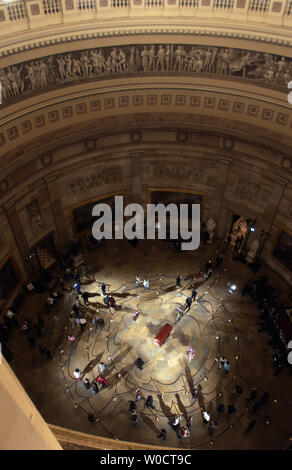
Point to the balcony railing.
(34, 14)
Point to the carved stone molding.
(155, 30)
(64, 69)
(181, 136)
(136, 136)
(46, 159)
(228, 143)
(90, 143)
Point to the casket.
(163, 334)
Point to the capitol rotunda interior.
(160, 102)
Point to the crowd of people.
(269, 305)
(273, 319)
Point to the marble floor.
(219, 323)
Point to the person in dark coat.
(139, 363)
(178, 281)
(132, 406)
(84, 296)
(189, 301)
(95, 388)
(194, 294)
(87, 384)
(149, 402)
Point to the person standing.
(220, 409)
(178, 281)
(138, 281)
(101, 367)
(189, 301)
(231, 409)
(222, 361)
(102, 381)
(149, 402)
(138, 397)
(206, 417)
(77, 374)
(77, 287)
(71, 320)
(71, 339)
(146, 284)
(253, 395)
(132, 406)
(82, 322)
(162, 434)
(175, 423)
(87, 384)
(103, 288)
(226, 367)
(194, 294)
(84, 296)
(95, 388)
(139, 363)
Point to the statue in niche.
(211, 225)
(239, 229)
(35, 220)
(252, 251)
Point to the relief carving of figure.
(144, 57)
(35, 219)
(267, 69)
(61, 65)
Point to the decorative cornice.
(146, 32)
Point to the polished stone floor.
(219, 323)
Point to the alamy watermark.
(183, 222)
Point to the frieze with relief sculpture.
(110, 175)
(187, 173)
(267, 70)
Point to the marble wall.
(132, 163)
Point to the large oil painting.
(168, 196)
(82, 215)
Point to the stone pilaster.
(30, 264)
(218, 200)
(53, 190)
